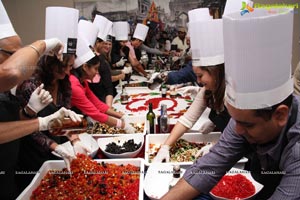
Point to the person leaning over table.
(137, 40)
(16, 65)
(36, 148)
(83, 99)
(265, 114)
(208, 65)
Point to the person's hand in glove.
(207, 127)
(61, 113)
(204, 150)
(189, 91)
(163, 154)
(80, 147)
(54, 47)
(127, 70)
(65, 154)
(39, 99)
(128, 127)
(121, 62)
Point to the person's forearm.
(113, 113)
(109, 100)
(182, 190)
(175, 134)
(10, 131)
(20, 65)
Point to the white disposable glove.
(204, 150)
(163, 153)
(127, 70)
(39, 99)
(121, 62)
(207, 127)
(66, 155)
(54, 47)
(189, 91)
(80, 147)
(61, 113)
(129, 128)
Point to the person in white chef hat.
(83, 99)
(17, 64)
(62, 23)
(137, 40)
(208, 65)
(265, 114)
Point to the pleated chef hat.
(83, 52)
(104, 26)
(258, 50)
(121, 30)
(140, 31)
(199, 14)
(6, 28)
(88, 31)
(62, 23)
(206, 37)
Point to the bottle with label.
(124, 96)
(150, 120)
(60, 127)
(163, 90)
(163, 120)
(176, 176)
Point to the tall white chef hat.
(258, 50)
(121, 30)
(62, 23)
(235, 5)
(88, 31)
(104, 26)
(206, 37)
(140, 31)
(83, 52)
(199, 14)
(6, 28)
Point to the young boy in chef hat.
(265, 114)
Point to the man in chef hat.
(17, 64)
(137, 40)
(265, 114)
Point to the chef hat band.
(62, 23)
(258, 49)
(6, 28)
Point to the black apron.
(31, 157)
(9, 111)
(219, 119)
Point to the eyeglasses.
(7, 52)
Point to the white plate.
(87, 140)
(247, 174)
(157, 179)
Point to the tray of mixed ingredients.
(184, 151)
(88, 179)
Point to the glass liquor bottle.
(176, 176)
(164, 120)
(150, 120)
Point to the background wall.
(28, 18)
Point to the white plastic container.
(58, 165)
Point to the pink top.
(131, 49)
(85, 100)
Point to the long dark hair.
(215, 100)
(45, 73)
